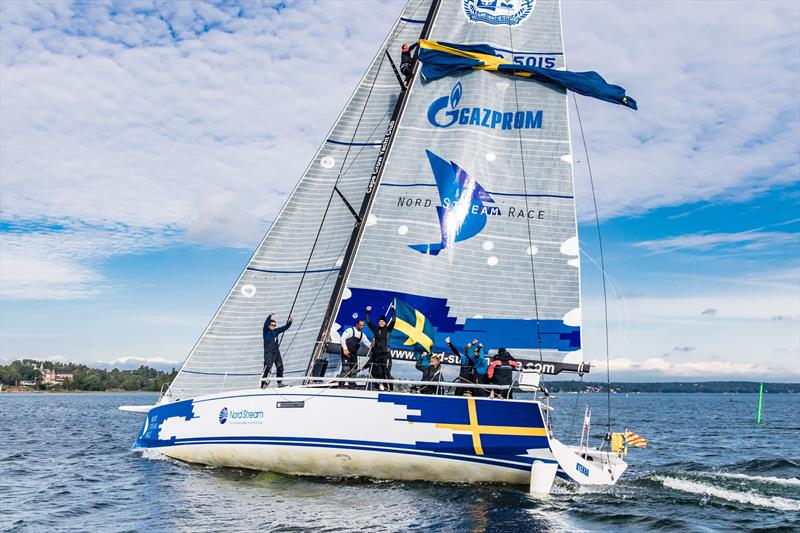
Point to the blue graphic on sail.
(511, 333)
(462, 214)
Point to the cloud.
(127, 363)
(704, 130)
(159, 124)
(783, 318)
(683, 349)
(709, 312)
(659, 369)
(743, 240)
(56, 263)
(133, 127)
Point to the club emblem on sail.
(463, 212)
(497, 12)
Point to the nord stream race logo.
(242, 416)
(444, 113)
(497, 12)
(463, 212)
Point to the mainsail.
(474, 219)
(295, 267)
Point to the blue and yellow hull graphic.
(336, 432)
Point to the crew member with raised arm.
(407, 61)
(501, 370)
(380, 356)
(351, 340)
(468, 359)
(272, 352)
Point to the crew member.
(468, 360)
(351, 340)
(501, 370)
(380, 357)
(481, 363)
(434, 374)
(423, 364)
(407, 61)
(272, 352)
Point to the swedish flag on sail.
(440, 59)
(415, 326)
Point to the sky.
(145, 148)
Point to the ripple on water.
(733, 476)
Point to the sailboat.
(449, 189)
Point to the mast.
(366, 204)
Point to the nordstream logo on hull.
(498, 12)
(440, 116)
(463, 212)
(243, 416)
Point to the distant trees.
(85, 378)
(705, 386)
(17, 371)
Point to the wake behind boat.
(443, 195)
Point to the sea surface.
(66, 464)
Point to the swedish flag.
(440, 59)
(415, 326)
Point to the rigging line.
(602, 260)
(575, 410)
(316, 297)
(528, 222)
(333, 191)
(342, 172)
(369, 197)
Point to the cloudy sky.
(145, 148)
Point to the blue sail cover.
(440, 59)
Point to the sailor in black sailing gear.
(470, 358)
(272, 352)
(380, 357)
(501, 370)
(433, 373)
(351, 341)
(407, 61)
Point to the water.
(66, 464)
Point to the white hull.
(339, 432)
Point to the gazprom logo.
(223, 415)
(445, 113)
(498, 12)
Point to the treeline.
(677, 386)
(85, 378)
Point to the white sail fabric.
(229, 354)
(474, 220)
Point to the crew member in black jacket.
(501, 370)
(407, 61)
(380, 357)
(272, 352)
